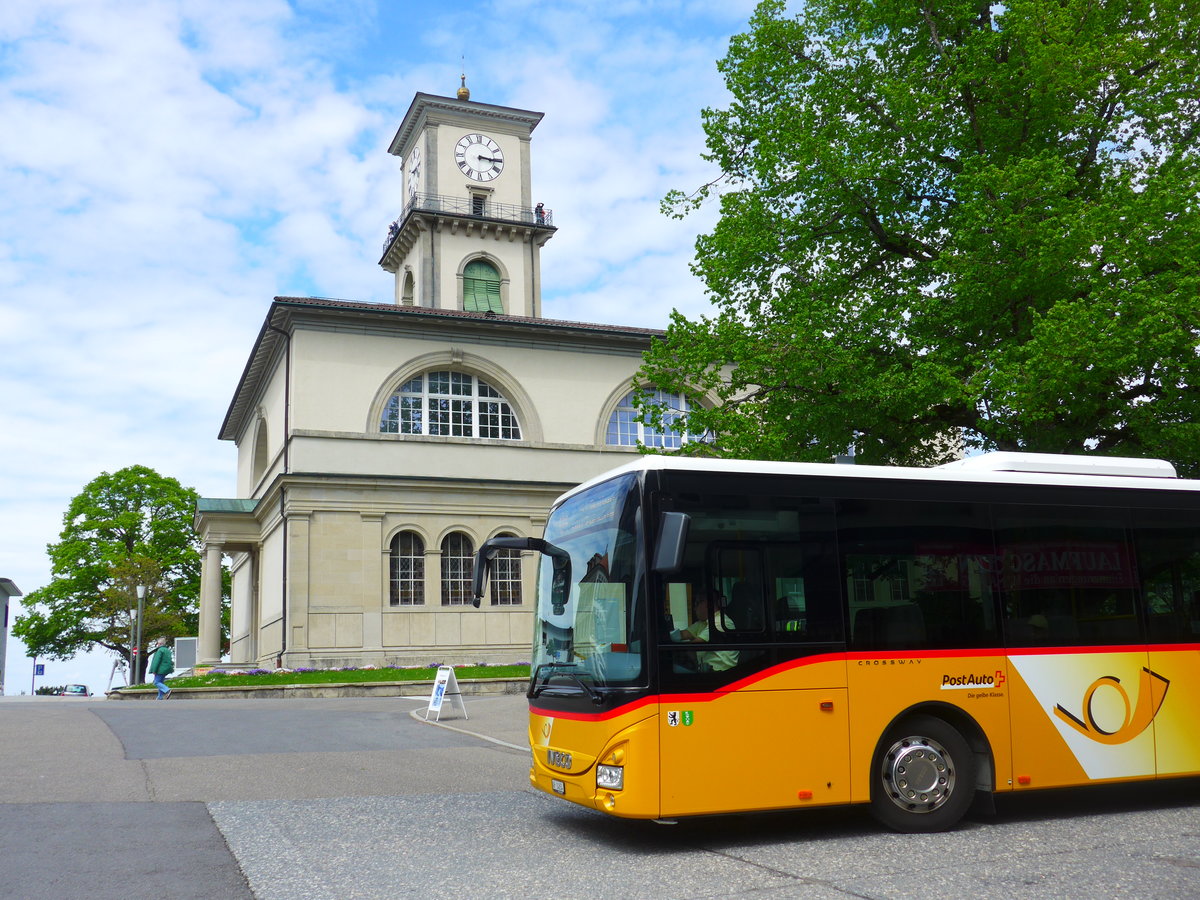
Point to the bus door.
(756, 715)
(1083, 691)
(768, 732)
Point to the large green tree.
(946, 220)
(127, 528)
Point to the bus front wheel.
(924, 776)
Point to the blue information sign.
(39, 669)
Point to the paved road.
(290, 799)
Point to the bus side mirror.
(483, 566)
(672, 537)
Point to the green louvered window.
(481, 287)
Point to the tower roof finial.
(464, 92)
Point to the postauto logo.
(1152, 691)
(972, 680)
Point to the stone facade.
(357, 512)
(328, 491)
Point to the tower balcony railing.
(476, 207)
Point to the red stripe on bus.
(735, 687)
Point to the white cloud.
(170, 165)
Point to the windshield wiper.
(596, 697)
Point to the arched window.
(506, 577)
(627, 425)
(481, 287)
(260, 450)
(458, 569)
(452, 404)
(407, 570)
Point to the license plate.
(559, 786)
(559, 759)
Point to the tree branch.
(903, 245)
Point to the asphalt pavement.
(118, 800)
(328, 799)
(500, 720)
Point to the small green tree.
(132, 527)
(951, 219)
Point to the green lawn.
(335, 676)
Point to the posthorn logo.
(1152, 690)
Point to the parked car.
(76, 690)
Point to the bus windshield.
(589, 633)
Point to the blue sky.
(169, 166)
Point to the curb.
(480, 687)
(419, 715)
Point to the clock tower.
(470, 234)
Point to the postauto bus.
(728, 636)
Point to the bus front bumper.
(621, 780)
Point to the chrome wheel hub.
(918, 774)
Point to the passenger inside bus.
(746, 606)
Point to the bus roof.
(999, 467)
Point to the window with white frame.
(506, 577)
(627, 426)
(407, 570)
(458, 569)
(450, 404)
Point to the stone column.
(210, 607)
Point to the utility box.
(7, 589)
(185, 652)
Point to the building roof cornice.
(432, 108)
(286, 313)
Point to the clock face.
(479, 157)
(414, 171)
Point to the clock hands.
(479, 157)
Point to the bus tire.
(923, 779)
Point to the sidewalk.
(503, 720)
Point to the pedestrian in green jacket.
(161, 664)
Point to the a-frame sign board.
(445, 687)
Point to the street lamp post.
(132, 644)
(141, 595)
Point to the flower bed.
(346, 675)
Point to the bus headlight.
(610, 778)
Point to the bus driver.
(698, 633)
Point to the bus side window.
(806, 602)
(773, 559)
(889, 627)
(745, 606)
(916, 574)
(1067, 576)
(736, 568)
(1168, 564)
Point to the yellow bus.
(727, 636)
